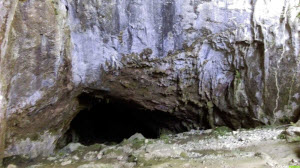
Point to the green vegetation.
(281, 136)
(285, 120)
(35, 137)
(124, 142)
(55, 11)
(293, 139)
(61, 153)
(165, 138)
(293, 124)
(210, 105)
(142, 162)
(150, 142)
(237, 77)
(164, 135)
(96, 147)
(132, 158)
(221, 131)
(136, 143)
(112, 143)
(184, 155)
(115, 151)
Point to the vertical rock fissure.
(4, 42)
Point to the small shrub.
(125, 142)
(115, 151)
(96, 147)
(221, 131)
(281, 136)
(293, 124)
(165, 138)
(132, 158)
(184, 155)
(136, 144)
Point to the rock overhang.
(209, 62)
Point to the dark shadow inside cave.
(110, 120)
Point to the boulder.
(292, 134)
(136, 136)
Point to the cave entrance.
(110, 120)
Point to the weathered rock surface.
(207, 62)
(292, 134)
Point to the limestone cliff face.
(207, 62)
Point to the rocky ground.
(221, 147)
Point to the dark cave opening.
(110, 120)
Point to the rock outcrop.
(207, 62)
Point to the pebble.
(66, 163)
(90, 156)
(11, 166)
(75, 157)
(120, 158)
(99, 156)
(51, 158)
(294, 161)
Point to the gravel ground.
(196, 148)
